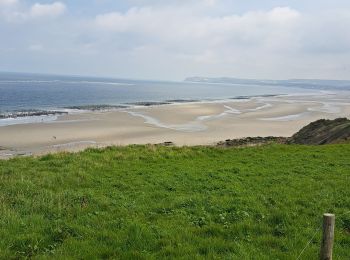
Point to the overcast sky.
(161, 39)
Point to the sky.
(172, 40)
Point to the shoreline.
(59, 111)
(184, 124)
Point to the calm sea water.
(21, 92)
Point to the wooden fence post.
(327, 237)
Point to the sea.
(27, 98)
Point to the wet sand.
(198, 123)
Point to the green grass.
(147, 202)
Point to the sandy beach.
(197, 123)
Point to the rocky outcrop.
(251, 141)
(166, 144)
(316, 133)
(323, 132)
(18, 114)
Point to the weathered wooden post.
(327, 237)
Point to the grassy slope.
(147, 202)
(323, 132)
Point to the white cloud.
(186, 29)
(210, 2)
(185, 35)
(283, 14)
(179, 38)
(14, 11)
(8, 2)
(47, 10)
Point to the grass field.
(147, 202)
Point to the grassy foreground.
(147, 202)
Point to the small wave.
(30, 113)
(99, 82)
(29, 81)
(312, 93)
(28, 120)
(149, 103)
(29, 116)
(95, 107)
(66, 81)
(258, 96)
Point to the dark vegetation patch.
(316, 133)
(323, 132)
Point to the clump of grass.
(140, 202)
